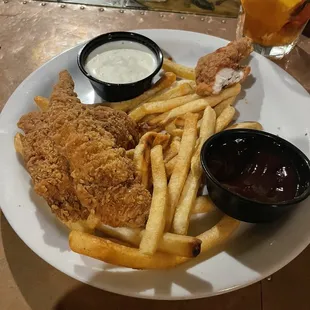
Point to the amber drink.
(274, 25)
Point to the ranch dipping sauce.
(121, 62)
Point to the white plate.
(272, 97)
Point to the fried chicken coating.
(221, 68)
(76, 156)
(122, 127)
(50, 174)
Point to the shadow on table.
(93, 298)
(44, 287)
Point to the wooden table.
(30, 34)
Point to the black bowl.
(119, 92)
(235, 203)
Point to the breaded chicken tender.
(76, 157)
(222, 68)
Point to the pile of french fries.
(167, 159)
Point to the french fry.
(177, 132)
(158, 119)
(202, 103)
(173, 149)
(225, 118)
(170, 166)
(182, 165)
(157, 129)
(207, 129)
(223, 105)
(181, 89)
(190, 107)
(81, 225)
(160, 106)
(161, 139)
(218, 234)
(184, 208)
(200, 114)
(141, 158)
(192, 84)
(18, 144)
(203, 204)
(169, 243)
(173, 130)
(167, 105)
(120, 255)
(179, 70)
(42, 103)
(179, 121)
(157, 220)
(167, 80)
(153, 138)
(246, 125)
(130, 153)
(148, 118)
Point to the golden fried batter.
(76, 156)
(221, 68)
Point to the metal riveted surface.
(54, 29)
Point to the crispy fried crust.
(226, 57)
(76, 157)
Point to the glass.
(273, 25)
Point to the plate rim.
(157, 296)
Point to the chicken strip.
(122, 127)
(106, 181)
(76, 156)
(221, 68)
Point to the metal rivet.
(24, 2)
(269, 279)
(162, 15)
(182, 17)
(223, 21)
(101, 10)
(82, 7)
(63, 6)
(43, 4)
(142, 13)
(5, 1)
(121, 11)
(202, 19)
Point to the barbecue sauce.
(263, 174)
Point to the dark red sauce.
(265, 174)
